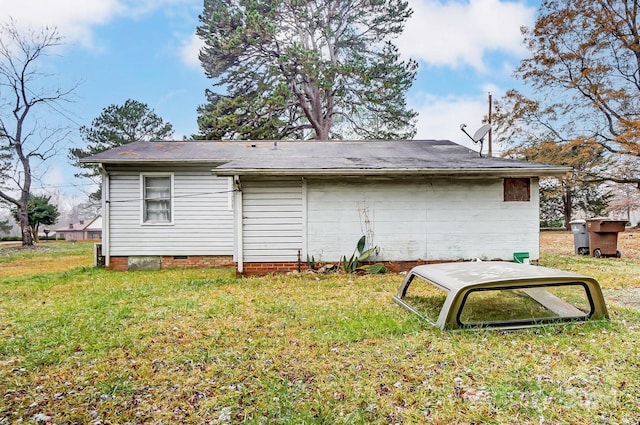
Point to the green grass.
(610, 272)
(199, 346)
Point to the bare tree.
(584, 72)
(626, 199)
(26, 138)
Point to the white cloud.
(440, 117)
(76, 19)
(73, 18)
(456, 33)
(190, 50)
(493, 89)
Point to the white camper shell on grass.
(498, 294)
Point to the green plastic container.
(521, 257)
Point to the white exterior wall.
(431, 219)
(272, 220)
(412, 219)
(202, 215)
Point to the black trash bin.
(580, 237)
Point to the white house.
(266, 206)
(84, 230)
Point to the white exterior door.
(272, 220)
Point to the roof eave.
(343, 172)
(161, 162)
(555, 171)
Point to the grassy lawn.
(82, 345)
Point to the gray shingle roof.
(322, 157)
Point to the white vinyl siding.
(272, 220)
(157, 198)
(428, 219)
(202, 219)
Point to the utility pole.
(489, 153)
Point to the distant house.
(268, 206)
(84, 230)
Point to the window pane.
(558, 302)
(427, 299)
(157, 199)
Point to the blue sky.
(147, 50)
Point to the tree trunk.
(321, 132)
(27, 235)
(34, 233)
(567, 201)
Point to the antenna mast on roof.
(489, 153)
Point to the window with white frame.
(157, 193)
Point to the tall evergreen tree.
(321, 69)
(117, 125)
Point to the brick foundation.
(197, 261)
(251, 269)
(402, 266)
(260, 269)
(186, 261)
(118, 264)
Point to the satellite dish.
(481, 132)
(478, 136)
